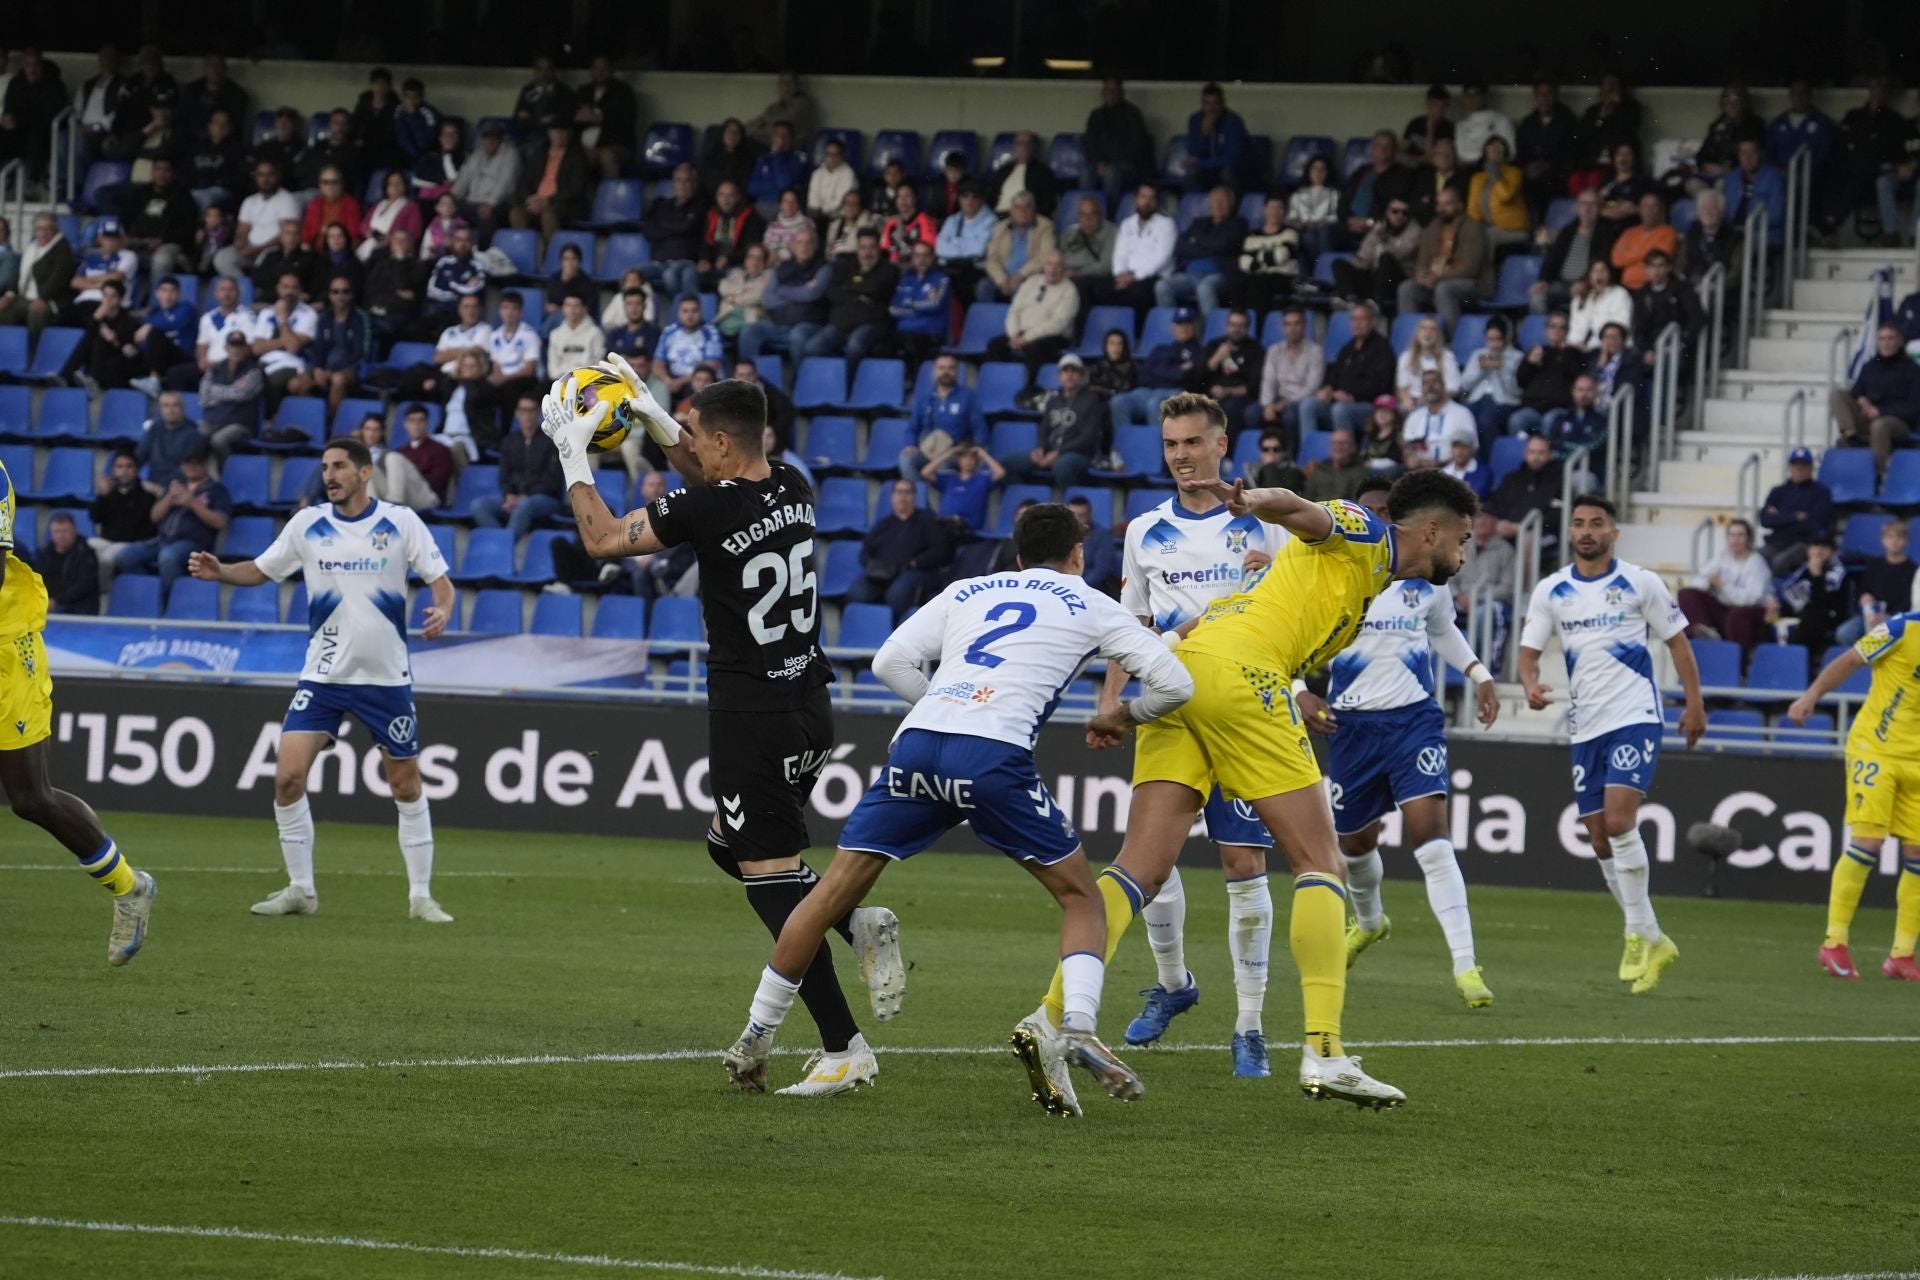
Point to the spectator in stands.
(557, 185)
(1573, 249)
(1434, 422)
(795, 300)
(1496, 198)
(1453, 264)
(1116, 372)
(1379, 440)
(1533, 486)
(106, 355)
(419, 474)
(165, 440)
(455, 275)
(212, 94)
(1087, 247)
(1276, 468)
(908, 226)
(436, 238)
(1015, 251)
(830, 184)
(260, 217)
(1817, 593)
(1313, 210)
(1611, 120)
(1216, 143)
(531, 489)
(728, 159)
(1751, 183)
(859, 296)
(436, 170)
(1883, 406)
(416, 122)
(32, 99)
(944, 415)
(779, 406)
(1339, 474)
(1269, 263)
(1884, 584)
(396, 208)
(920, 305)
(122, 508)
(1040, 321)
(1663, 302)
(215, 164)
(1544, 147)
(1490, 384)
(1479, 123)
(787, 221)
(285, 148)
(965, 478)
(943, 193)
(334, 257)
(341, 348)
(209, 340)
(1872, 143)
(1120, 151)
(1615, 368)
(1361, 371)
(1427, 352)
(1598, 301)
(188, 516)
(396, 280)
(1430, 126)
(1582, 424)
(742, 292)
(1384, 259)
(880, 195)
(688, 345)
(159, 219)
(1652, 231)
(1546, 377)
(1441, 172)
(1204, 256)
(1142, 253)
(286, 253)
(544, 101)
(1073, 431)
(489, 180)
(107, 259)
(901, 554)
(1735, 124)
(143, 122)
(1102, 569)
(572, 282)
(1171, 367)
(606, 115)
(1488, 563)
(165, 335)
(1797, 511)
(1732, 594)
(468, 332)
(843, 230)
(338, 149)
(1024, 171)
(373, 120)
(1374, 186)
(467, 376)
(961, 246)
(791, 103)
(1709, 241)
(732, 225)
(1621, 189)
(576, 341)
(281, 332)
(675, 226)
(95, 103)
(778, 168)
(1801, 124)
(1462, 462)
(1232, 365)
(1292, 372)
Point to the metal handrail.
(1702, 548)
(1839, 356)
(1665, 397)
(1617, 478)
(1706, 379)
(14, 176)
(1753, 270)
(1799, 200)
(1747, 489)
(1526, 572)
(1576, 481)
(60, 175)
(1480, 640)
(1793, 427)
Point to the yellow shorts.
(1883, 797)
(1240, 729)
(26, 692)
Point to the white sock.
(1080, 976)
(1612, 877)
(1249, 939)
(416, 845)
(1632, 873)
(1166, 918)
(1363, 887)
(296, 841)
(1447, 895)
(771, 1001)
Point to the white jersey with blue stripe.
(356, 575)
(1176, 562)
(1605, 623)
(1389, 665)
(1008, 646)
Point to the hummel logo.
(735, 818)
(1041, 804)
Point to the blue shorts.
(933, 782)
(385, 709)
(1379, 760)
(1233, 822)
(1625, 757)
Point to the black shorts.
(761, 769)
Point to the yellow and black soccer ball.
(594, 385)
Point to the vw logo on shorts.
(1431, 761)
(402, 729)
(1625, 756)
(1245, 811)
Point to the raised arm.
(1308, 521)
(206, 566)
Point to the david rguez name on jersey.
(1068, 596)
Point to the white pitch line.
(916, 1051)
(1845, 1275)
(602, 1261)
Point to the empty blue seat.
(1156, 331)
(878, 384)
(821, 382)
(674, 625)
(1253, 208)
(667, 145)
(1849, 474)
(999, 387)
(984, 322)
(1508, 453)
(13, 350)
(772, 372)
(850, 139)
(839, 568)
(890, 145)
(16, 413)
(522, 247)
(1901, 487)
(842, 507)
(496, 611)
(1560, 211)
(50, 353)
(623, 251)
(1301, 149)
(1012, 437)
(308, 414)
(479, 480)
(1779, 668)
(581, 240)
(245, 476)
(404, 355)
(1511, 291)
(556, 615)
(964, 141)
(1099, 321)
(294, 473)
(18, 461)
(1469, 336)
(1193, 205)
(620, 618)
(612, 484)
(192, 600)
(248, 536)
(123, 416)
(1719, 662)
(1533, 332)
(489, 556)
(1000, 154)
(1354, 155)
(1010, 499)
(535, 555)
(1315, 446)
(1861, 538)
(864, 626)
(1142, 451)
(65, 414)
(134, 595)
(886, 437)
(1067, 156)
(442, 536)
(259, 604)
(67, 477)
(101, 173)
(616, 203)
(1141, 501)
(830, 444)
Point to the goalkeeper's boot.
(290, 901)
(1473, 988)
(1162, 1007)
(1659, 956)
(746, 1061)
(829, 1073)
(130, 912)
(1037, 1044)
(1341, 1077)
(1633, 959)
(1359, 939)
(1838, 961)
(876, 938)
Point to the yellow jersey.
(1888, 725)
(23, 597)
(1308, 604)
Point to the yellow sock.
(1123, 899)
(110, 869)
(1318, 934)
(1906, 919)
(1850, 876)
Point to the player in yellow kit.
(1883, 788)
(1242, 730)
(26, 719)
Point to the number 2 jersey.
(1888, 724)
(1177, 562)
(1604, 623)
(759, 586)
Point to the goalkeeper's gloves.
(660, 424)
(570, 432)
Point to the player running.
(26, 720)
(1387, 740)
(1180, 557)
(354, 551)
(1007, 644)
(769, 718)
(1243, 731)
(1604, 611)
(1883, 789)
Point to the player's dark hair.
(736, 409)
(354, 447)
(1372, 484)
(1046, 534)
(1421, 490)
(1599, 501)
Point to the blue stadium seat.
(1301, 149)
(1849, 474)
(50, 353)
(886, 437)
(556, 615)
(134, 595)
(772, 372)
(1510, 292)
(616, 204)
(1141, 501)
(842, 507)
(1067, 156)
(404, 355)
(65, 414)
(1403, 327)
(1315, 446)
(839, 568)
(258, 604)
(18, 461)
(621, 252)
(1508, 454)
(1857, 683)
(1140, 448)
(1354, 155)
(496, 611)
(1468, 337)
(998, 388)
(965, 141)
(442, 535)
(535, 555)
(581, 240)
(1861, 539)
(984, 321)
(123, 416)
(1068, 209)
(667, 145)
(101, 173)
(830, 445)
(1012, 437)
(1099, 321)
(371, 194)
(620, 618)
(851, 139)
(192, 600)
(674, 625)
(1010, 499)
(293, 478)
(308, 414)
(1560, 211)
(1324, 263)
(1001, 152)
(1683, 215)
(1532, 332)
(354, 409)
(1901, 486)
(248, 536)
(316, 127)
(612, 484)
(66, 477)
(821, 382)
(895, 144)
(479, 480)
(864, 626)
(522, 247)
(1719, 662)
(1193, 205)
(262, 126)
(297, 604)
(245, 476)
(1778, 668)
(878, 384)
(1156, 331)
(489, 556)
(1339, 333)
(13, 350)
(1253, 208)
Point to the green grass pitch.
(1534, 1159)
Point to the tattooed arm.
(607, 536)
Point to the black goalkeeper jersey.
(759, 586)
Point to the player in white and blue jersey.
(1387, 743)
(1606, 612)
(1180, 557)
(354, 551)
(1007, 646)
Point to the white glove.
(660, 424)
(570, 432)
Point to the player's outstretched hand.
(660, 424)
(1109, 726)
(1693, 723)
(204, 565)
(433, 622)
(1313, 709)
(1234, 495)
(1800, 708)
(1537, 696)
(570, 432)
(1486, 703)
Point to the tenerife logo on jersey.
(1615, 596)
(1213, 573)
(364, 564)
(1411, 596)
(1626, 757)
(379, 539)
(1236, 541)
